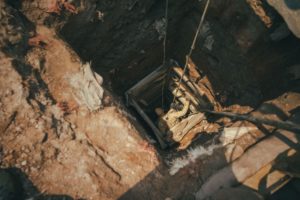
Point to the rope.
(166, 29)
(192, 47)
(164, 53)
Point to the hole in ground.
(235, 50)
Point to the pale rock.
(24, 162)
(290, 11)
(87, 88)
(230, 134)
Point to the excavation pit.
(169, 101)
(244, 61)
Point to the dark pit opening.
(245, 59)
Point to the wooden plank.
(157, 133)
(154, 77)
(251, 161)
(194, 87)
(266, 180)
(186, 91)
(194, 104)
(182, 128)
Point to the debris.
(182, 128)
(204, 127)
(183, 94)
(183, 113)
(168, 120)
(206, 100)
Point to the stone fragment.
(290, 11)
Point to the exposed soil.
(59, 148)
(48, 142)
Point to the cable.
(192, 47)
(166, 30)
(165, 52)
(286, 125)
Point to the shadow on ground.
(15, 185)
(184, 184)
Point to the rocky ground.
(49, 134)
(65, 136)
